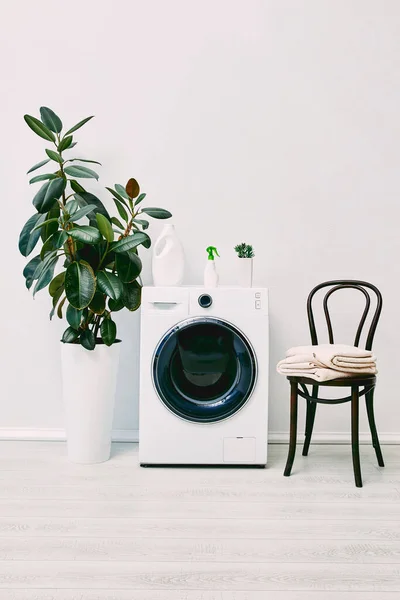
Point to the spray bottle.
(210, 273)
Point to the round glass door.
(204, 370)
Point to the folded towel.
(310, 370)
(340, 357)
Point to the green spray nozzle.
(211, 250)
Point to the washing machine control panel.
(205, 300)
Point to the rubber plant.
(98, 253)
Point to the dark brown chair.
(366, 382)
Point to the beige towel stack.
(327, 362)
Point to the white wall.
(270, 121)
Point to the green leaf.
(76, 186)
(147, 242)
(115, 305)
(145, 224)
(139, 199)
(59, 238)
(108, 330)
(53, 155)
(79, 125)
(105, 228)
(74, 316)
(78, 171)
(132, 188)
(46, 222)
(110, 284)
(85, 160)
(157, 213)
(121, 191)
(57, 284)
(117, 196)
(65, 143)
(82, 212)
(40, 129)
(91, 254)
(69, 335)
(44, 177)
(46, 274)
(46, 248)
(72, 206)
(51, 227)
(98, 304)
(87, 339)
(80, 284)
(129, 242)
(49, 256)
(60, 307)
(48, 194)
(38, 165)
(86, 234)
(30, 269)
(56, 298)
(132, 295)
(44, 271)
(85, 198)
(29, 237)
(121, 210)
(50, 119)
(117, 222)
(128, 266)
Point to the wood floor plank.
(210, 550)
(215, 493)
(200, 576)
(43, 594)
(184, 528)
(170, 477)
(199, 510)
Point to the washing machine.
(203, 376)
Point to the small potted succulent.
(245, 265)
(99, 275)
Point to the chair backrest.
(365, 288)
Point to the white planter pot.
(89, 384)
(245, 272)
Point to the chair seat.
(347, 382)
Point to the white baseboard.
(132, 435)
(58, 435)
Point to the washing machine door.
(204, 370)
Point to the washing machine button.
(258, 304)
(205, 300)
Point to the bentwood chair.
(360, 385)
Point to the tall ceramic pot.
(245, 272)
(89, 385)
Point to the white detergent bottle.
(168, 262)
(210, 272)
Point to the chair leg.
(293, 428)
(355, 448)
(310, 417)
(369, 400)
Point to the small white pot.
(245, 272)
(89, 384)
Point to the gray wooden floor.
(118, 532)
